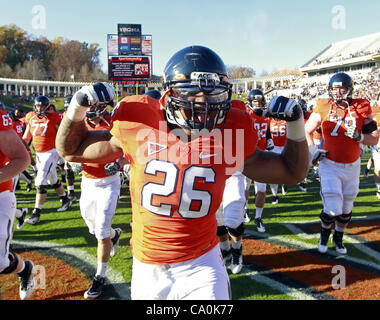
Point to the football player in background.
(256, 107)
(41, 128)
(375, 153)
(278, 132)
(67, 172)
(345, 123)
(230, 216)
(14, 158)
(100, 193)
(181, 151)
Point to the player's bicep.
(11, 145)
(285, 168)
(97, 147)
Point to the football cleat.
(96, 288)
(337, 239)
(302, 186)
(284, 189)
(237, 260)
(34, 217)
(66, 204)
(115, 242)
(324, 240)
(247, 219)
(275, 200)
(378, 194)
(259, 225)
(227, 256)
(26, 281)
(21, 220)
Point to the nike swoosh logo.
(206, 156)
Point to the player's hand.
(98, 94)
(112, 168)
(270, 145)
(316, 154)
(76, 167)
(353, 133)
(283, 108)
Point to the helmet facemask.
(257, 105)
(41, 110)
(97, 112)
(201, 102)
(337, 97)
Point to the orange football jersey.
(261, 125)
(96, 170)
(5, 124)
(177, 185)
(43, 130)
(278, 131)
(19, 127)
(334, 126)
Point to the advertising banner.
(129, 68)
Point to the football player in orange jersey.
(375, 154)
(345, 123)
(182, 149)
(256, 107)
(14, 158)
(41, 128)
(278, 132)
(100, 193)
(18, 127)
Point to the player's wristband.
(295, 130)
(75, 112)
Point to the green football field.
(278, 265)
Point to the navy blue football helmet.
(341, 80)
(41, 106)
(197, 91)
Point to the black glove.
(283, 108)
(112, 168)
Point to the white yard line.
(114, 277)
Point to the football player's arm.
(27, 136)
(311, 125)
(14, 150)
(370, 132)
(75, 143)
(291, 166)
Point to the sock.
(70, 189)
(101, 270)
(325, 226)
(259, 213)
(378, 186)
(236, 244)
(369, 166)
(225, 245)
(339, 229)
(112, 233)
(38, 206)
(274, 189)
(18, 213)
(22, 270)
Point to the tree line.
(24, 56)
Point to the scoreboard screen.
(129, 68)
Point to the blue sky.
(265, 35)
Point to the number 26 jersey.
(176, 185)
